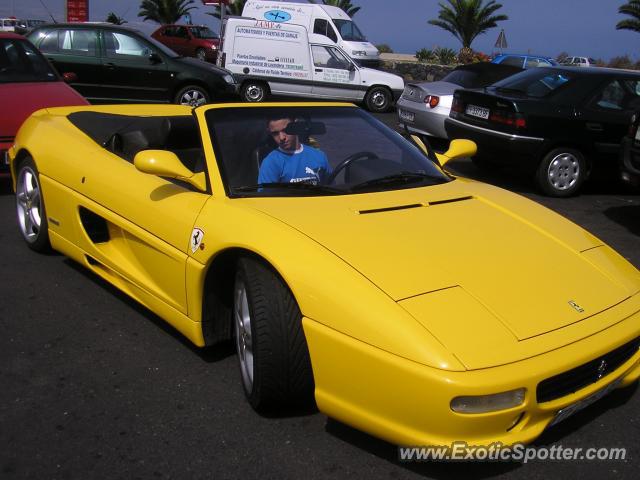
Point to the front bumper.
(504, 148)
(630, 161)
(407, 403)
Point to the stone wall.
(414, 71)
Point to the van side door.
(335, 75)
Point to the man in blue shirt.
(292, 161)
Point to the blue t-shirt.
(308, 164)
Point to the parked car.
(27, 83)
(338, 292)
(190, 40)
(579, 62)
(630, 152)
(423, 107)
(559, 123)
(119, 64)
(524, 60)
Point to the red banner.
(77, 10)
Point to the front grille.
(584, 375)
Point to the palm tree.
(631, 8)
(234, 8)
(345, 5)
(466, 19)
(164, 11)
(115, 19)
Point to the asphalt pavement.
(95, 386)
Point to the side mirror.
(458, 148)
(166, 164)
(69, 77)
(154, 58)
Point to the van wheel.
(378, 100)
(561, 172)
(192, 95)
(253, 91)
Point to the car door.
(607, 114)
(133, 69)
(73, 50)
(334, 75)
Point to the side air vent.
(390, 209)
(94, 225)
(450, 200)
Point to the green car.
(112, 63)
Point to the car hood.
(371, 76)
(509, 263)
(22, 99)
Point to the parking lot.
(96, 386)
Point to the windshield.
(537, 82)
(301, 151)
(349, 31)
(21, 62)
(203, 32)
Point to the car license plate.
(476, 111)
(566, 412)
(408, 116)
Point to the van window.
(329, 57)
(349, 31)
(322, 27)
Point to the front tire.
(272, 350)
(32, 218)
(192, 95)
(378, 100)
(561, 172)
(254, 91)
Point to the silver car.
(423, 107)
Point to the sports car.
(414, 305)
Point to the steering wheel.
(364, 155)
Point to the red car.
(190, 40)
(27, 83)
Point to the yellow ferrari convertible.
(345, 263)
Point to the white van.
(324, 20)
(8, 24)
(283, 59)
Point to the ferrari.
(420, 307)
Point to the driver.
(292, 161)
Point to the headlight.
(359, 53)
(229, 79)
(214, 47)
(488, 403)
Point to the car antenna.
(45, 7)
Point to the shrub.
(445, 56)
(384, 48)
(620, 62)
(425, 55)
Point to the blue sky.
(548, 27)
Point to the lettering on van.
(271, 34)
(336, 76)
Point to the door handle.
(319, 70)
(594, 127)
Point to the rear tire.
(561, 172)
(253, 91)
(272, 350)
(378, 100)
(31, 214)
